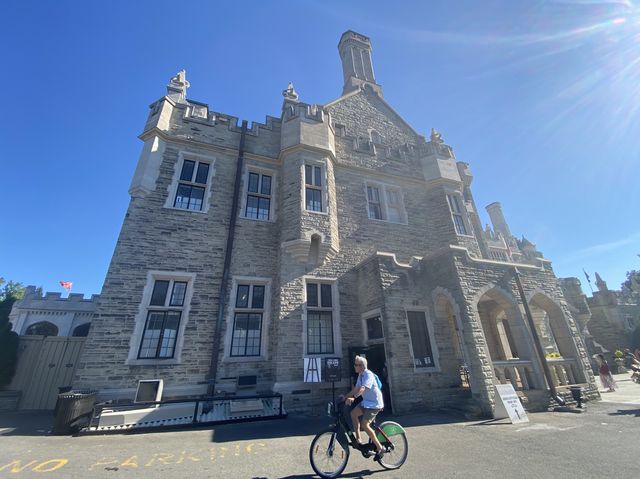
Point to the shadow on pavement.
(311, 425)
(363, 473)
(626, 412)
(34, 423)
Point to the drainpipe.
(213, 368)
(536, 340)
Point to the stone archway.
(446, 312)
(508, 342)
(560, 349)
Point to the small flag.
(587, 276)
(66, 285)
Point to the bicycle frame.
(344, 433)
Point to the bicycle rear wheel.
(397, 448)
(328, 456)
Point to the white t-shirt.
(372, 396)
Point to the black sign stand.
(333, 373)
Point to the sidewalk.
(627, 392)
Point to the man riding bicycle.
(372, 403)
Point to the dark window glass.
(308, 175)
(81, 331)
(266, 185)
(422, 355)
(319, 332)
(263, 208)
(312, 294)
(257, 300)
(253, 182)
(314, 199)
(187, 170)
(160, 334)
(374, 328)
(247, 330)
(203, 173)
(317, 180)
(252, 207)
(325, 295)
(242, 299)
(43, 328)
(159, 294)
(459, 224)
(197, 195)
(177, 295)
(182, 196)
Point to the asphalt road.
(601, 441)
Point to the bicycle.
(329, 451)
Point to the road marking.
(213, 454)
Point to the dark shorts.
(369, 415)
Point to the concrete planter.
(9, 400)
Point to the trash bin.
(71, 406)
(61, 389)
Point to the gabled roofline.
(356, 92)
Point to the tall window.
(319, 319)
(313, 185)
(192, 185)
(385, 203)
(163, 319)
(247, 321)
(420, 341)
(375, 208)
(258, 196)
(456, 212)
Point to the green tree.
(10, 292)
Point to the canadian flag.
(66, 285)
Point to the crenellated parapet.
(64, 313)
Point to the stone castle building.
(330, 230)
(607, 319)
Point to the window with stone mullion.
(313, 187)
(258, 196)
(456, 213)
(247, 325)
(163, 320)
(192, 185)
(319, 319)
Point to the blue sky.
(541, 98)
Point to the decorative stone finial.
(290, 93)
(177, 87)
(436, 137)
(601, 284)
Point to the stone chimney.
(357, 67)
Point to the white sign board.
(312, 370)
(508, 405)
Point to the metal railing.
(185, 412)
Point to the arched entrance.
(459, 369)
(559, 346)
(507, 340)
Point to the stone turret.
(498, 221)
(357, 66)
(310, 234)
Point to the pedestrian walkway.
(627, 392)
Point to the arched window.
(81, 331)
(375, 137)
(43, 328)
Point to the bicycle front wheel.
(327, 455)
(397, 448)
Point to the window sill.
(404, 223)
(183, 210)
(426, 370)
(152, 362)
(260, 220)
(324, 213)
(243, 359)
